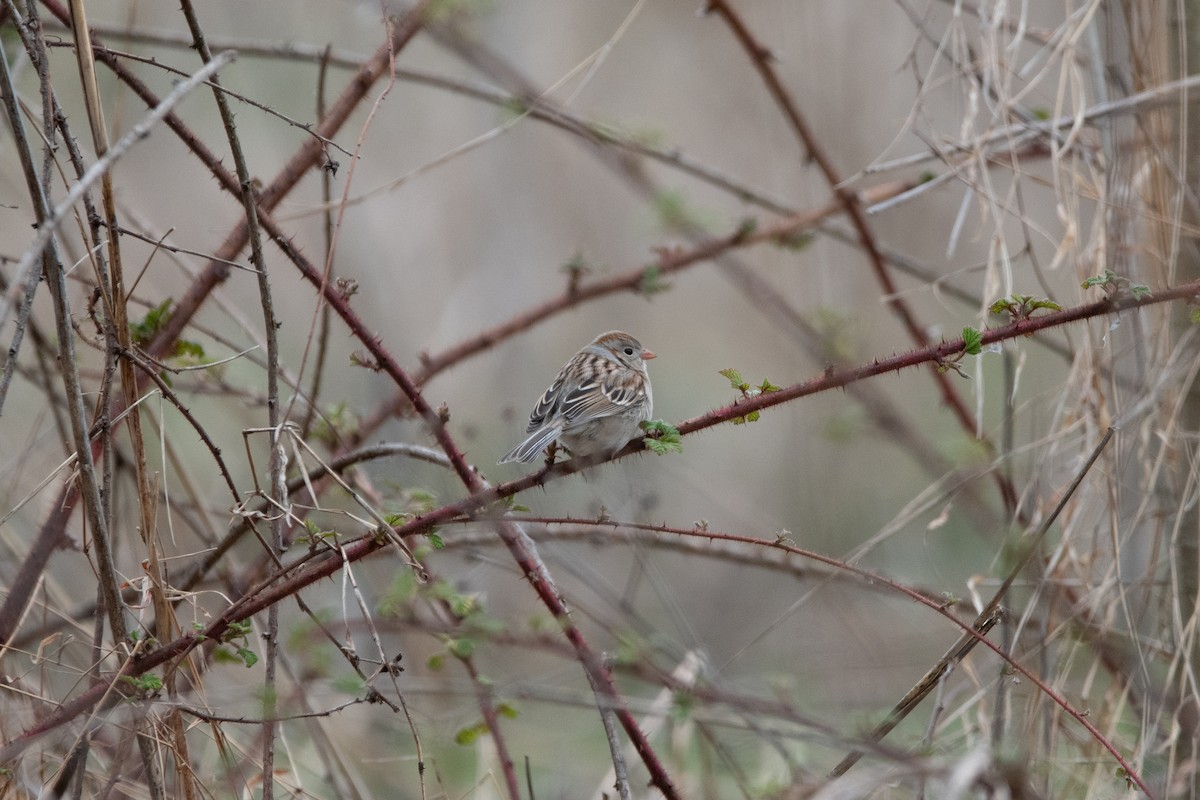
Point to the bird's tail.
(529, 450)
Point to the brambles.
(972, 346)
(737, 382)
(661, 437)
(1020, 307)
(1115, 285)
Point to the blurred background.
(527, 147)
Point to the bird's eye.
(628, 351)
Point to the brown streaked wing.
(594, 400)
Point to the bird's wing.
(547, 403)
(610, 395)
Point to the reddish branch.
(629, 280)
(51, 535)
(761, 58)
(288, 582)
(218, 270)
(295, 577)
(481, 494)
(973, 633)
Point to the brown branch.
(756, 289)
(760, 56)
(326, 565)
(631, 280)
(312, 569)
(87, 485)
(52, 535)
(935, 356)
(216, 271)
(519, 546)
(973, 633)
(487, 707)
(305, 158)
(830, 379)
(986, 618)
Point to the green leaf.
(507, 711)
(463, 605)
(482, 623)
(660, 448)
(735, 379)
(1194, 315)
(461, 648)
(1113, 283)
(152, 323)
(1109, 277)
(419, 501)
(672, 209)
(436, 541)
(746, 227)
(237, 629)
(652, 281)
(145, 683)
(397, 597)
(1022, 306)
(510, 504)
(576, 265)
(630, 649)
(1001, 306)
(192, 351)
(224, 655)
(972, 341)
(794, 241)
(248, 656)
(435, 662)
(682, 705)
(470, 734)
(349, 684)
(662, 438)
(766, 387)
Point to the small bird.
(596, 403)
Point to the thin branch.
(278, 459)
(140, 131)
(760, 57)
(208, 716)
(986, 618)
(89, 488)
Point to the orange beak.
(647, 355)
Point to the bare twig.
(278, 460)
(760, 57)
(984, 622)
(103, 164)
(47, 254)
